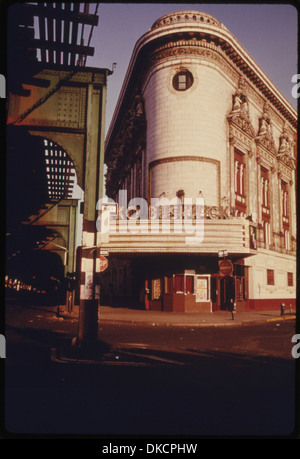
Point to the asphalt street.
(153, 380)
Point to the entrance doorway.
(227, 292)
(222, 292)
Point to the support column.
(93, 183)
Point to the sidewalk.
(156, 318)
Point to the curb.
(276, 319)
(151, 323)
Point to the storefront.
(163, 284)
(192, 292)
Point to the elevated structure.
(53, 96)
(198, 120)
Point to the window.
(265, 190)
(270, 277)
(265, 205)
(240, 182)
(183, 80)
(266, 228)
(290, 279)
(284, 204)
(286, 239)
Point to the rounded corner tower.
(186, 111)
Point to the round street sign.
(225, 267)
(103, 263)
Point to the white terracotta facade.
(197, 117)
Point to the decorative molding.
(193, 47)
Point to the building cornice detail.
(221, 40)
(192, 47)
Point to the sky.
(268, 32)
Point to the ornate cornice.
(185, 17)
(196, 34)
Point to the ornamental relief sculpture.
(286, 149)
(239, 114)
(265, 132)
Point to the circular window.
(183, 80)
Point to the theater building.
(200, 136)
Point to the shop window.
(202, 289)
(270, 277)
(156, 289)
(290, 279)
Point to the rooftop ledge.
(183, 17)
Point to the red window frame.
(240, 181)
(270, 277)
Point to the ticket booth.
(186, 292)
